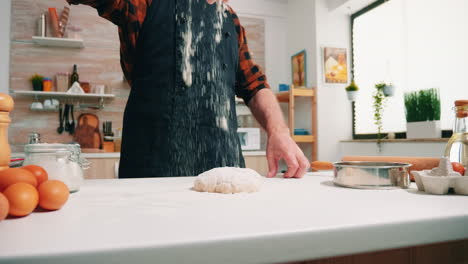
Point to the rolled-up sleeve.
(113, 10)
(250, 78)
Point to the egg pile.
(23, 189)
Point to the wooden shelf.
(304, 139)
(284, 97)
(58, 42)
(67, 97)
(62, 94)
(290, 98)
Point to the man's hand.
(281, 146)
(213, 1)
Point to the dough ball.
(228, 180)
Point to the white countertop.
(163, 221)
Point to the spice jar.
(62, 80)
(86, 87)
(62, 162)
(47, 84)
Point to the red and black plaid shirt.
(129, 15)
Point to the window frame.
(398, 135)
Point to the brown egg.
(23, 198)
(15, 175)
(4, 207)
(53, 194)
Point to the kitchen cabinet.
(105, 165)
(102, 168)
(257, 163)
(448, 252)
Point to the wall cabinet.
(102, 168)
(106, 168)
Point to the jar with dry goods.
(61, 161)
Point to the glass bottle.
(457, 146)
(74, 77)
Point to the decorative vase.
(352, 95)
(389, 90)
(37, 86)
(424, 129)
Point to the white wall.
(334, 109)
(5, 10)
(312, 26)
(276, 20)
(399, 149)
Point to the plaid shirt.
(129, 15)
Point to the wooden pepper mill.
(6, 105)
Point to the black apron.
(179, 122)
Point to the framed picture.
(299, 69)
(249, 138)
(335, 65)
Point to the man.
(186, 60)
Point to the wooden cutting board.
(87, 131)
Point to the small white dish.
(36, 106)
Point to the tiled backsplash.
(98, 63)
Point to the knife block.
(6, 105)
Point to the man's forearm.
(267, 111)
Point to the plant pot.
(37, 86)
(352, 95)
(424, 129)
(389, 90)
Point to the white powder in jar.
(58, 166)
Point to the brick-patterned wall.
(97, 63)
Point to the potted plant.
(388, 89)
(423, 114)
(378, 104)
(37, 81)
(352, 90)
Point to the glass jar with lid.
(61, 161)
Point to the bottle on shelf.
(47, 84)
(74, 77)
(457, 146)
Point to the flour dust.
(208, 136)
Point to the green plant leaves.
(423, 105)
(378, 105)
(352, 87)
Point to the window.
(413, 44)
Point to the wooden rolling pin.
(321, 165)
(6, 105)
